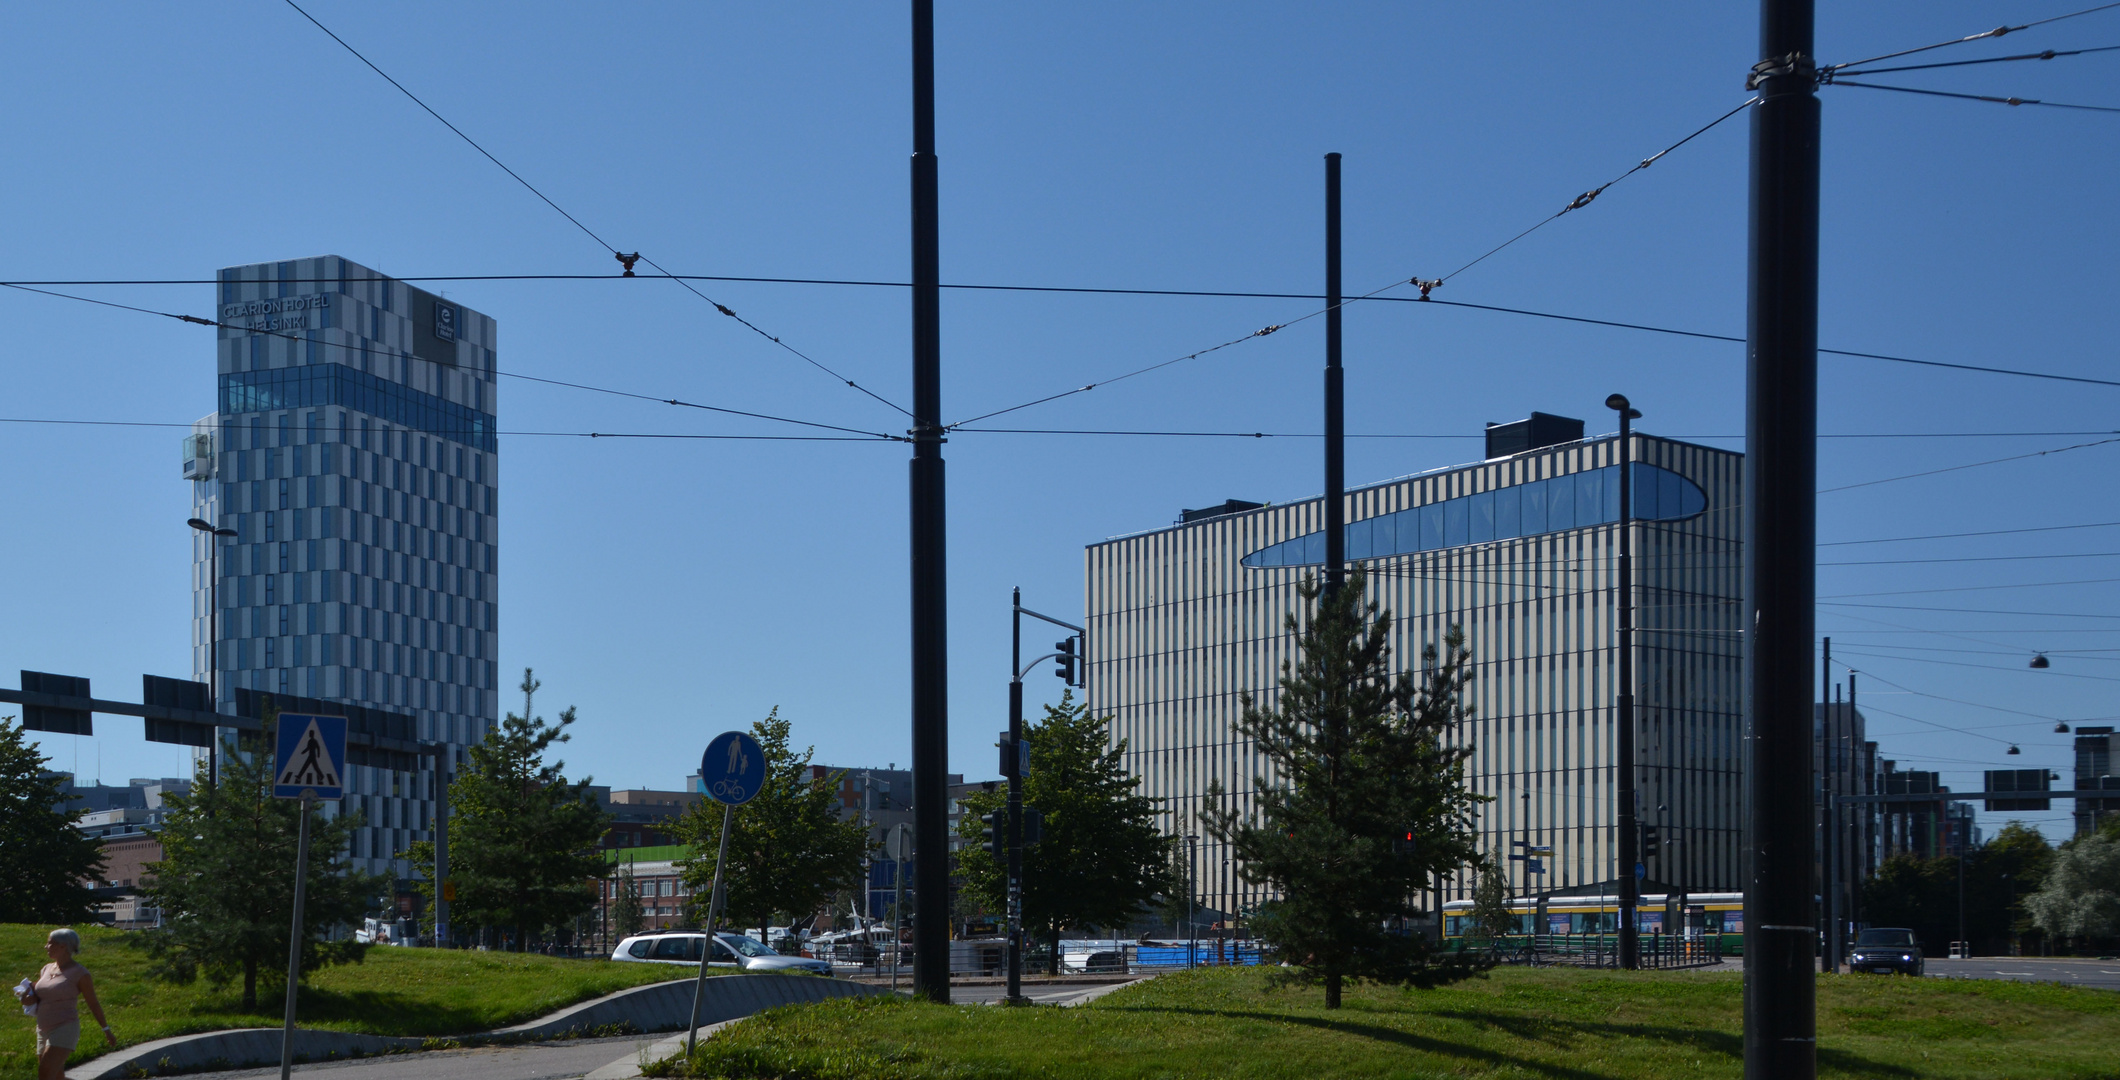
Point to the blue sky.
(674, 589)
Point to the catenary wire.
(1995, 33)
(1983, 532)
(1962, 665)
(196, 320)
(1587, 197)
(1967, 611)
(426, 431)
(1978, 97)
(26, 284)
(1977, 588)
(1580, 201)
(590, 233)
(1973, 465)
(2049, 54)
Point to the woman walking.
(58, 987)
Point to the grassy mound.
(394, 992)
(1569, 1025)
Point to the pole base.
(1017, 999)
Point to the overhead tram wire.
(1976, 588)
(1979, 97)
(1972, 465)
(1983, 532)
(27, 284)
(626, 260)
(1984, 34)
(1425, 286)
(512, 434)
(2046, 55)
(197, 321)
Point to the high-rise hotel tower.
(353, 453)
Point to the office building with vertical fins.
(1518, 549)
(353, 452)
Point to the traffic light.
(1650, 842)
(1033, 826)
(995, 833)
(1404, 843)
(1068, 665)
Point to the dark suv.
(1886, 951)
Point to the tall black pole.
(1781, 533)
(1630, 855)
(1335, 391)
(930, 644)
(1014, 759)
(1827, 789)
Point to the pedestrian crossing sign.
(311, 762)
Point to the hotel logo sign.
(445, 320)
(282, 313)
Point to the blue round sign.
(733, 769)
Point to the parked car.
(730, 950)
(1887, 950)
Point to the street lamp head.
(199, 524)
(2039, 660)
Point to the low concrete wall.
(668, 1006)
(233, 1049)
(663, 1006)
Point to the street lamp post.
(214, 536)
(1192, 883)
(1629, 838)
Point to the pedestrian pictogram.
(311, 762)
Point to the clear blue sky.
(672, 589)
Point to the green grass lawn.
(1544, 1023)
(394, 992)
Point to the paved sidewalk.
(564, 1060)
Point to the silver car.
(730, 950)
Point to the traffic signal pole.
(1781, 535)
(930, 637)
(1073, 669)
(1628, 823)
(1335, 392)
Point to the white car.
(730, 951)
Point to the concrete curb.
(665, 1006)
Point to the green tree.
(1490, 902)
(1358, 758)
(47, 863)
(225, 883)
(628, 915)
(790, 847)
(1926, 895)
(523, 840)
(1101, 860)
(2080, 898)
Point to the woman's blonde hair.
(66, 936)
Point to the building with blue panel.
(1520, 550)
(354, 454)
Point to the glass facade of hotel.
(354, 455)
(1184, 622)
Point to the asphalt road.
(2103, 974)
(563, 1060)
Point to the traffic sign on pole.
(733, 768)
(311, 762)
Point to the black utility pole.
(1012, 768)
(1335, 392)
(1827, 960)
(214, 535)
(1781, 535)
(1629, 825)
(930, 644)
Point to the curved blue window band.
(1541, 506)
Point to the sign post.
(309, 764)
(731, 771)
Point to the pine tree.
(1359, 759)
(226, 880)
(523, 840)
(1101, 861)
(790, 847)
(49, 865)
